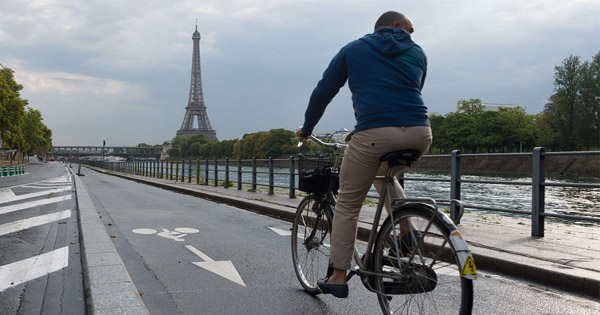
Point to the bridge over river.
(153, 152)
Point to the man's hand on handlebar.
(301, 134)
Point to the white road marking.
(49, 186)
(31, 204)
(6, 194)
(289, 233)
(281, 232)
(186, 230)
(31, 268)
(52, 181)
(176, 236)
(61, 179)
(33, 195)
(144, 231)
(34, 221)
(448, 271)
(225, 269)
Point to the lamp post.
(103, 145)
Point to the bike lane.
(192, 256)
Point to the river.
(563, 200)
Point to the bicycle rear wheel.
(310, 241)
(427, 277)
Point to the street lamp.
(103, 145)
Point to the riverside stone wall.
(573, 165)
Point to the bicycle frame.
(363, 262)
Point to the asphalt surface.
(139, 249)
(162, 268)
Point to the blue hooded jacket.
(385, 72)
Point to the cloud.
(122, 68)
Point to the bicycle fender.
(465, 259)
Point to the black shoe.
(408, 242)
(337, 290)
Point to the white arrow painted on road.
(289, 233)
(225, 269)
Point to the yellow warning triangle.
(469, 268)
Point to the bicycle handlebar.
(323, 143)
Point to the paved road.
(190, 256)
(40, 259)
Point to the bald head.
(395, 20)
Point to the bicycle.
(430, 271)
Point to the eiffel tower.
(196, 107)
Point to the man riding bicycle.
(385, 71)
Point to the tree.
(574, 108)
(47, 143)
(194, 149)
(174, 152)
(35, 133)
(181, 145)
(567, 83)
(473, 129)
(473, 107)
(587, 114)
(468, 114)
(460, 127)
(545, 134)
(12, 109)
(277, 142)
(440, 142)
(250, 144)
(516, 128)
(490, 127)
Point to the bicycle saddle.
(401, 157)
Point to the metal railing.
(263, 172)
(538, 184)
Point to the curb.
(545, 272)
(531, 269)
(108, 287)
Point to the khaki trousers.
(359, 168)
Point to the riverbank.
(571, 165)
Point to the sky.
(120, 71)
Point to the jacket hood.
(389, 41)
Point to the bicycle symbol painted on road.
(176, 235)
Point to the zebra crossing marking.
(35, 203)
(31, 268)
(19, 225)
(8, 198)
(38, 266)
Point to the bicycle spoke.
(424, 275)
(309, 236)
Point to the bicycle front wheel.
(310, 241)
(422, 268)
